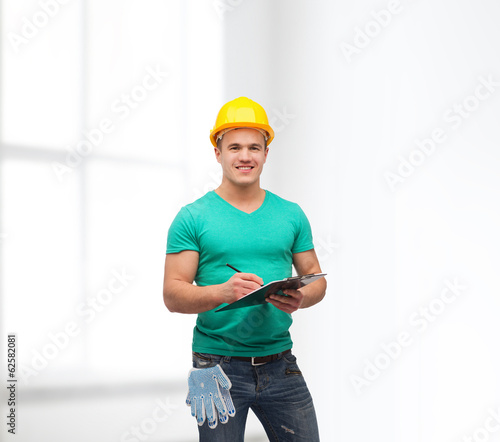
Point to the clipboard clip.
(300, 277)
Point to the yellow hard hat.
(241, 112)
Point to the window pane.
(42, 73)
(41, 255)
(139, 76)
(130, 210)
(134, 76)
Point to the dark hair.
(219, 141)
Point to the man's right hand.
(239, 285)
(181, 296)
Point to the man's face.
(242, 155)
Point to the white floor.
(126, 416)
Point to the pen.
(239, 271)
(234, 268)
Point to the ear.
(265, 154)
(217, 154)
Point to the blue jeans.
(275, 391)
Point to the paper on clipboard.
(259, 296)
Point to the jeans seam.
(268, 423)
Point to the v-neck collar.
(266, 197)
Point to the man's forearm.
(183, 297)
(313, 293)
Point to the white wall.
(389, 250)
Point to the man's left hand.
(288, 304)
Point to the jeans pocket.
(292, 369)
(290, 358)
(204, 360)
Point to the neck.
(240, 194)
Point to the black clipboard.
(259, 296)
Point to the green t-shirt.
(262, 242)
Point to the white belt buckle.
(254, 364)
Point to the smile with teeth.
(244, 167)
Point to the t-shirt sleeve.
(182, 233)
(303, 233)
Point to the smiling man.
(242, 358)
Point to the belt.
(260, 360)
